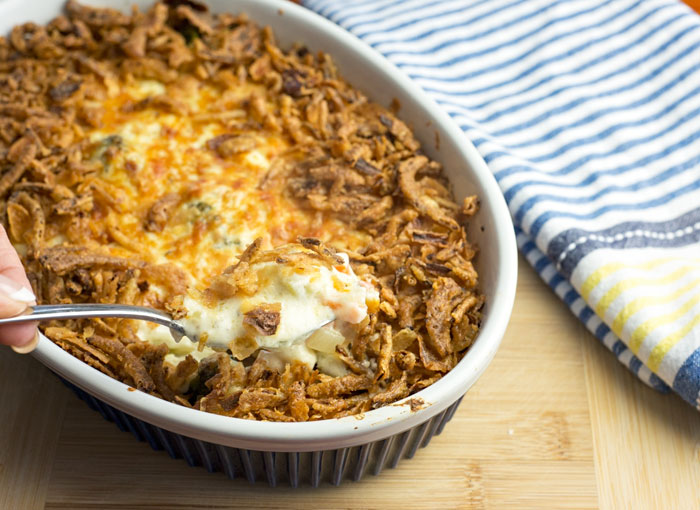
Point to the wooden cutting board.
(555, 422)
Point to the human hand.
(15, 296)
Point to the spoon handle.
(93, 310)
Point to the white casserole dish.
(202, 438)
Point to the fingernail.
(16, 291)
(28, 347)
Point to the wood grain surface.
(555, 422)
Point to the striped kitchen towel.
(587, 112)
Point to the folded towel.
(587, 112)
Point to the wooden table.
(555, 422)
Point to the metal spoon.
(93, 310)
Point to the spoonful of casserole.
(289, 301)
(297, 302)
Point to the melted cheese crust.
(221, 208)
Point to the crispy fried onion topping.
(264, 318)
(351, 161)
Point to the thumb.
(14, 297)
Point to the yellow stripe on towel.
(604, 271)
(635, 305)
(614, 292)
(659, 352)
(597, 276)
(647, 327)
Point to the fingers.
(15, 334)
(15, 296)
(23, 338)
(19, 335)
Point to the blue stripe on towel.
(687, 382)
(672, 42)
(585, 111)
(664, 25)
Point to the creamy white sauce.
(307, 301)
(178, 351)
(145, 88)
(257, 158)
(331, 364)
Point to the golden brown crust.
(122, 359)
(160, 212)
(336, 386)
(443, 298)
(349, 160)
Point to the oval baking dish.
(328, 450)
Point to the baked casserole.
(183, 161)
